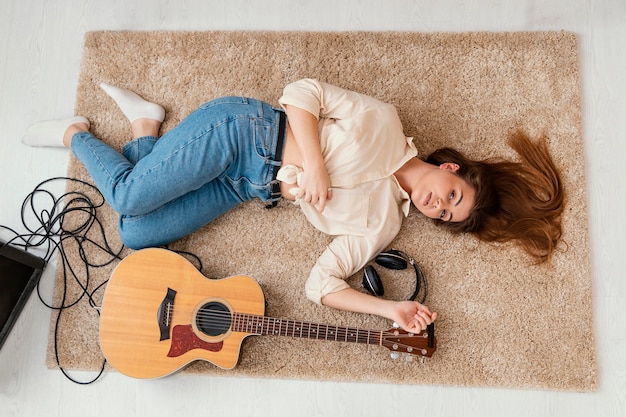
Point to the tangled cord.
(49, 230)
(52, 231)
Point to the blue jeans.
(219, 156)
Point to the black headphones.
(398, 260)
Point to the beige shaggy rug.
(504, 322)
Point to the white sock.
(50, 132)
(133, 106)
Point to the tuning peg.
(408, 358)
(394, 355)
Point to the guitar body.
(159, 314)
(152, 310)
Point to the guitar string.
(226, 318)
(223, 318)
(340, 335)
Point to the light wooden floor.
(40, 48)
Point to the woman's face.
(441, 194)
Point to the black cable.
(51, 232)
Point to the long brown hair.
(520, 201)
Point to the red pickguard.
(184, 340)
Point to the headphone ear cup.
(372, 282)
(391, 259)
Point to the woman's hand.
(314, 186)
(412, 316)
(314, 182)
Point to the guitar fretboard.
(263, 325)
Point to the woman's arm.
(306, 101)
(410, 315)
(315, 182)
(346, 255)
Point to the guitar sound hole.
(213, 319)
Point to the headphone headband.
(397, 260)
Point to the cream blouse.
(363, 145)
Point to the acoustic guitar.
(159, 313)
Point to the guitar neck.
(262, 325)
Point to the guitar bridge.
(164, 314)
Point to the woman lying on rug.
(342, 157)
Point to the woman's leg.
(108, 168)
(168, 222)
(179, 217)
(219, 156)
(138, 148)
(248, 178)
(183, 160)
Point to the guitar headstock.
(421, 344)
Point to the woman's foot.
(55, 133)
(133, 106)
